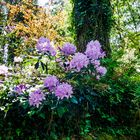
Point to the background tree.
(92, 20)
(126, 31)
(32, 22)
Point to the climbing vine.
(92, 19)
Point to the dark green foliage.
(92, 20)
(95, 107)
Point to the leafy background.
(108, 109)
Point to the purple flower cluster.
(94, 53)
(51, 82)
(68, 49)
(63, 90)
(94, 50)
(101, 70)
(36, 98)
(79, 61)
(96, 63)
(20, 88)
(44, 46)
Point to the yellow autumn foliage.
(32, 22)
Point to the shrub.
(76, 99)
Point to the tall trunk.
(92, 21)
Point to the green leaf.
(42, 65)
(37, 65)
(61, 111)
(74, 100)
(18, 131)
(42, 115)
(31, 113)
(25, 105)
(46, 68)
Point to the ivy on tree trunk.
(92, 21)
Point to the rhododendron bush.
(61, 92)
(71, 62)
(78, 65)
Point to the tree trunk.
(92, 21)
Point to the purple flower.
(63, 90)
(58, 60)
(79, 61)
(98, 77)
(96, 63)
(20, 88)
(36, 98)
(52, 51)
(94, 50)
(44, 45)
(101, 70)
(51, 82)
(43, 40)
(68, 49)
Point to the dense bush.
(76, 98)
